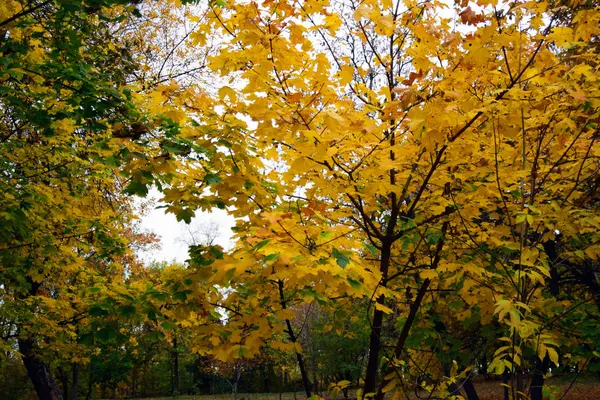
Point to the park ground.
(583, 389)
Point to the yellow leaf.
(429, 274)
(553, 355)
(384, 24)
(383, 308)
(390, 385)
(343, 384)
(226, 91)
(561, 36)
(362, 11)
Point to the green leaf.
(158, 296)
(127, 311)
(156, 336)
(371, 249)
(97, 311)
(86, 339)
(180, 296)
(175, 148)
(168, 326)
(106, 334)
(137, 188)
(260, 245)
(185, 215)
(271, 257)
(355, 284)
(211, 179)
(151, 315)
(340, 258)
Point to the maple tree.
(67, 228)
(395, 150)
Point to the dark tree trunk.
(281, 384)
(64, 382)
(412, 314)
(552, 253)
(314, 373)
(505, 378)
(265, 376)
(470, 390)
(88, 395)
(376, 326)
(301, 363)
(453, 389)
(293, 339)
(75, 381)
(537, 381)
(414, 308)
(484, 365)
(520, 385)
(175, 368)
(374, 346)
(39, 372)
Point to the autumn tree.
(392, 151)
(66, 223)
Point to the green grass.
(239, 396)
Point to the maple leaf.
(470, 17)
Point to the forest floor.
(583, 389)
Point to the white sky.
(171, 232)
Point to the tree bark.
(505, 378)
(175, 368)
(376, 326)
(520, 385)
(39, 372)
(537, 381)
(314, 373)
(414, 308)
(88, 395)
(293, 339)
(470, 390)
(64, 382)
(75, 381)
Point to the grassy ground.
(247, 396)
(583, 389)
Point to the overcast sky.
(171, 232)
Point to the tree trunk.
(374, 345)
(505, 378)
(281, 384)
(39, 372)
(376, 325)
(64, 382)
(265, 371)
(314, 374)
(293, 339)
(75, 381)
(453, 389)
(537, 381)
(412, 314)
(175, 367)
(90, 383)
(301, 364)
(470, 390)
(520, 385)
(414, 308)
